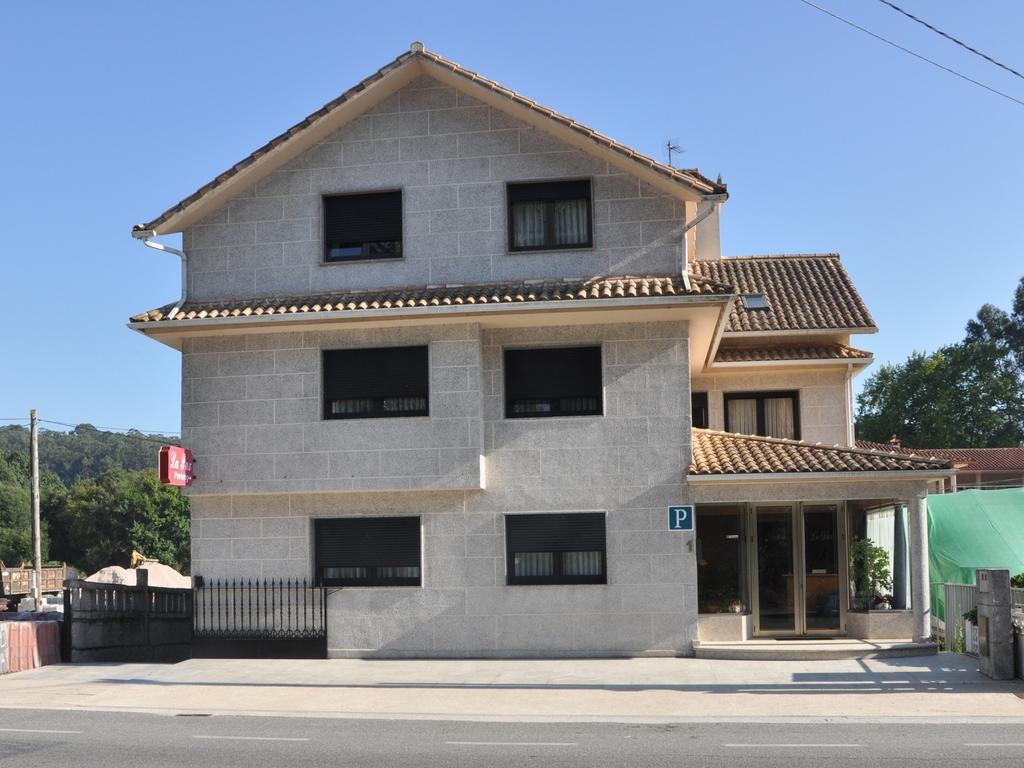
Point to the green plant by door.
(870, 574)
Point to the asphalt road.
(41, 739)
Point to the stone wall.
(823, 398)
(252, 415)
(451, 156)
(627, 463)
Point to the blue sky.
(829, 141)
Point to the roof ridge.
(766, 256)
(805, 444)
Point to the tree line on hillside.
(100, 498)
(964, 395)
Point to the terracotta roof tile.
(690, 177)
(723, 453)
(604, 288)
(970, 459)
(804, 292)
(790, 352)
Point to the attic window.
(367, 226)
(549, 215)
(755, 301)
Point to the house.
(979, 468)
(456, 354)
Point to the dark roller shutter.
(363, 218)
(367, 542)
(377, 374)
(552, 374)
(549, 190)
(574, 532)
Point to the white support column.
(921, 589)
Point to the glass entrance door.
(776, 596)
(821, 568)
(799, 569)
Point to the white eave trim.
(818, 477)
(405, 313)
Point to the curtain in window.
(887, 528)
(534, 564)
(778, 417)
(570, 222)
(743, 416)
(528, 224)
(581, 563)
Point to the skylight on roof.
(755, 301)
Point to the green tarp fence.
(969, 530)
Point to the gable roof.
(517, 292)
(805, 292)
(360, 97)
(969, 459)
(725, 453)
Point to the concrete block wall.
(252, 414)
(824, 414)
(451, 156)
(627, 463)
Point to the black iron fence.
(259, 618)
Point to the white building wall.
(824, 413)
(451, 156)
(627, 463)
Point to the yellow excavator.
(140, 559)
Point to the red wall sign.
(176, 466)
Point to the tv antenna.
(671, 146)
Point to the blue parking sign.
(680, 518)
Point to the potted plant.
(870, 575)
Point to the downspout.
(850, 434)
(146, 235)
(712, 201)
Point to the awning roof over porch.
(725, 453)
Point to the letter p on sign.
(680, 518)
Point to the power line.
(912, 53)
(123, 432)
(113, 429)
(961, 43)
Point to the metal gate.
(259, 619)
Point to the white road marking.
(250, 738)
(32, 730)
(798, 746)
(996, 744)
(514, 743)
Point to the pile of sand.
(113, 574)
(160, 575)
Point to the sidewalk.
(943, 687)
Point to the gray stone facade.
(451, 156)
(252, 414)
(627, 463)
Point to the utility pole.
(37, 539)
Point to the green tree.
(16, 507)
(105, 518)
(965, 395)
